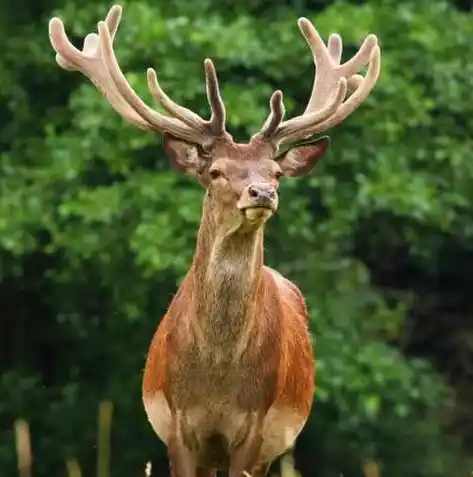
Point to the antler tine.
(89, 62)
(217, 106)
(216, 125)
(67, 55)
(276, 115)
(335, 47)
(354, 82)
(324, 77)
(187, 116)
(361, 57)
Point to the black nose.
(262, 193)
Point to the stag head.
(241, 179)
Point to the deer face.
(243, 191)
(242, 180)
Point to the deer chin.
(257, 215)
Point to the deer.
(229, 379)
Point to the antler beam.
(326, 106)
(97, 61)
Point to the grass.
(104, 432)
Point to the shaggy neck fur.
(227, 272)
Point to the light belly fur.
(280, 428)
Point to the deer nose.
(262, 194)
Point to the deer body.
(232, 356)
(229, 378)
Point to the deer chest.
(220, 378)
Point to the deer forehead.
(252, 169)
(226, 148)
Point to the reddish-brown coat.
(279, 351)
(295, 348)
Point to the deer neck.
(227, 271)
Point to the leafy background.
(96, 230)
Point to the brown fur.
(234, 345)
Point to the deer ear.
(301, 159)
(184, 156)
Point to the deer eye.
(278, 174)
(215, 174)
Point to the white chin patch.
(257, 214)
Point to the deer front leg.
(244, 458)
(181, 460)
(260, 470)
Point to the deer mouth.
(258, 212)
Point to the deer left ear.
(185, 157)
(301, 159)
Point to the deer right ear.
(300, 159)
(184, 156)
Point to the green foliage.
(96, 230)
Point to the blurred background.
(96, 230)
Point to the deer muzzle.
(259, 201)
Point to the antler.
(97, 61)
(326, 107)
